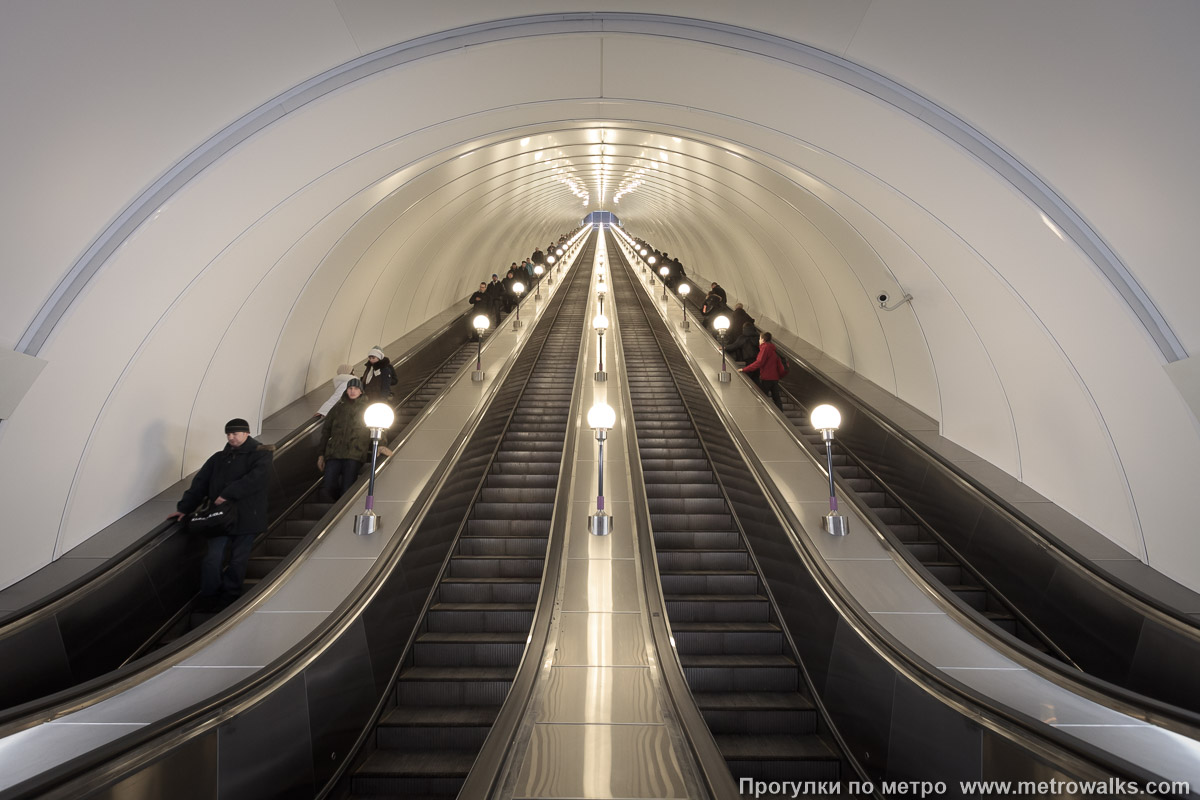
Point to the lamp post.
(519, 289)
(481, 323)
(664, 272)
(600, 325)
(684, 289)
(601, 418)
(721, 324)
(377, 416)
(826, 419)
(601, 290)
(537, 273)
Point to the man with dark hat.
(237, 474)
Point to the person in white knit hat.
(378, 376)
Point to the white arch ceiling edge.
(214, 398)
(1057, 210)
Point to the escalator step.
(488, 590)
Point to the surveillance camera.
(883, 298)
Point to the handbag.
(210, 520)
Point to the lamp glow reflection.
(480, 323)
(827, 419)
(518, 289)
(601, 419)
(378, 416)
(684, 289)
(600, 325)
(721, 325)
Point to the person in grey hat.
(237, 474)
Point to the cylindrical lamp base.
(516, 324)
(724, 377)
(835, 524)
(601, 376)
(685, 325)
(600, 524)
(477, 374)
(366, 523)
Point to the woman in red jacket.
(768, 367)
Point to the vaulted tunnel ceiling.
(348, 210)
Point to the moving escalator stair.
(471, 641)
(743, 674)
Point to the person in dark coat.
(738, 319)
(768, 367)
(713, 305)
(483, 303)
(345, 442)
(378, 376)
(238, 474)
(719, 291)
(745, 347)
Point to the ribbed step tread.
(441, 716)
(744, 747)
(438, 673)
(394, 763)
(473, 637)
(725, 627)
(736, 660)
(752, 701)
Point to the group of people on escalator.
(500, 295)
(743, 341)
(237, 476)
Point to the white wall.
(360, 212)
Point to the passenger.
(744, 348)
(768, 367)
(482, 301)
(713, 305)
(678, 268)
(717, 290)
(538, 257)
(738, 319)
(378, 376)
(237, 474)
(510, 296)
(345, 442)
(344, 374)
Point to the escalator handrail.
(102, 687)
(846, 753)
(1011, 722)
(707, 755)
(98, 767)
(883, 530)
(1118, 698)
(52, 601)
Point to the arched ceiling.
(352, 207)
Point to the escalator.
(289, 528)
(464, 657)
(744, 675)
(923, 543)
(143, 598)
(1001, 569)
(796, 680)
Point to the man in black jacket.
(237, 474)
